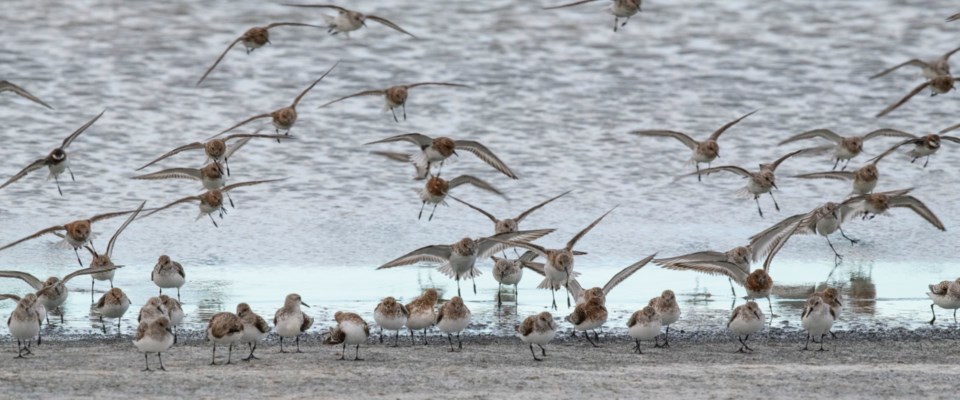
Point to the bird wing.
(716, 135)
(432, 254)
(625, 273)
(248, 183)
(573, 241)
(215, 63)
(35, 165)
(69, 139)
(914, 62)
(918, 207)
(538, 250)
(946, 56)
(682, 137)
(113, 239)
(304, 92)
(486, 155)
(894, 147)
(492, 218)
(395, 156)
(172, 173)
(421, 140)
(8, 86)
(191, 146)
(180, 201)
(888, 132)
(413, 85)
(948, 129)
(506, 240)
(29, 279)
(537, 207)
(838, 175)
(822, 133)
(17, 298)
(276, 24)
(576, 3)
(479, 183)
(906, 98)
(773, 167)
(114, 214)
(950, 138)
(34, 236)
(244, 122)
(236, 146)
(377, 92)
(534, 266)
(390, 24)
(725, 268)
(87, 271)
(728, 168)
(338, 8)
(953, 17)
(762, 243)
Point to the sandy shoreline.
(885, 364)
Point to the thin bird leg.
(666, 338)
(732, 290)
(616, 22)
(934, 314)
(214, 360)
(775, 205)
(699, 178)
(838, 258)
(745, 339)
(404, 105)
(356, 357)
(742, 345)
(394, 112)
(459, 342)
(534, 354)
(78, 257)
(298, 344)
(161, 362)
(424, 336)
(75, 179)
(92, 282)
(422, 205)
(927, 161)
(103, 325)
(146, 362)
(806, 346)
(450, 339)
(432, 212)
(542, 350)
(396, 340)
(836, 162)
(821, 342)
(343, 352)
(281, 345)
(852, 241)
(499, 292)
(587, 336)
(757, 199)
(229, 353)
(213, 220)
(636, 347)
(57, 180)
(474, 280)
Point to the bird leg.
(78, 256)
(160, 360)
(459, 342)
(775, 205)
(499, 293)
(298, 344)
(450, 339)
(103, 325)
(934, 314)
(666, 338)
(57, 180)
(852, 241)
(636, 348)
(214, 360)
(742, 345)
(404, 105)
(838, 258)
(616, 22)
(821, 342)
(213, 220)
(394, 112)
(542, 350)
(757, 199)
(147, 362)
(396, 340)
(356, 356)
(806, 346)
(281, 345)
(587, 336)
(422, 205)
(534, 354)
(343, 352)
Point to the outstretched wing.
(29, 279)
(17, 298)
(576, 3)
(172, 173)
(70, 139)
(682, 137)
(888, 132)
(215, 63)
(728, 168)
(773, 167)
(113, 239)
(35, 165)
(894, 147)
(338, 8)
(479, 183)
(249, 183)
(390, 24)
(724, 268)
(276, 24)
(918, 207)
(838, 175)
(492, 218)
(486, 155)
(191, 146)
(905, 99)
(421, 140)
(506, 240)
(821, 133)
(537, 207)
(358, 94)
(625, 273)
(34, 236)
(413, 85)
(8, 86)
(180, 201)
(573, 241)
(914, 62)
(304, 92)
(434, 254)
(242, 123)
(87, 271)
(101, 217)
(716, 135)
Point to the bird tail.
(447, 270)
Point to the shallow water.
(554, 95)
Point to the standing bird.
(350, 329)
(458, 260)
(734, 264)
(703, 152)
(558, 268)
(537, 330)
(103, 261)
(589, 315)
(152, 310)
(644, 324)
(210, 201)
(453, 317)
(217, 150)
(153, 337)
(168, 274)
(113, 304)
(7, 86)
(758, 183)
(53, 292)
(509, 272)
(817, 319)
(930, 69)
(254, 328)
(24, 322)
(745, 321)
(422, 313)
(289, 321)
(174, 311)
(282, 118)
(946, 295)
(395, 96)
(437, 150)
(348, 20)
(845, 147)
(924, 146)
(254, 38)
(56, 162)
(938, 85)
(669, 311)
(392, 316)
(510, 224)
(619, 9)
(225, 329)
(436, 189)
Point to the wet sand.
(881, 364)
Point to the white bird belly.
(540, 338)
(389, 323)
(449, 325)
(289, 327)
(421, 320)
(151, 345)
(168, 280)
(645, 331)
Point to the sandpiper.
(254, 328)
(152, 310)
(423, 313)
(437, 150)
(211, 175)
(174, 311)
(457, 260)
(24, 322)
(77, 233)
(758, 183)
(7, 86)
(217, 150)
(113, 304)
(283, 118)
(669, 311)
(348, 20)
(832, 297)
(436, 189)
(509, 272)
(874, 204)
(57, 161)
(104, 261)
(510, 224)
(53, 292)
(644, 324)
(938, 85)
(289, 321)
(395, 96)
(168, 274)
(576, 290)
(421, 171)
(703, 152)
(350, 329)
(745, 321)
(953, 17)
(210, 201)
(537, 330)
(453, 317)
(946, 295)
(254, 38)
(734, 264)
(619, 9)
(392, 316)
(225, 329)
(864, 179)
(153, 337)
(924, 146)
(817, 319)
(845, 147)
(589, 315)
(558, 269)
(823, 220)
(931, 69)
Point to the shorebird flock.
(160, 316)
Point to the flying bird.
(348, 20)
(395, 96)
(254, 38)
